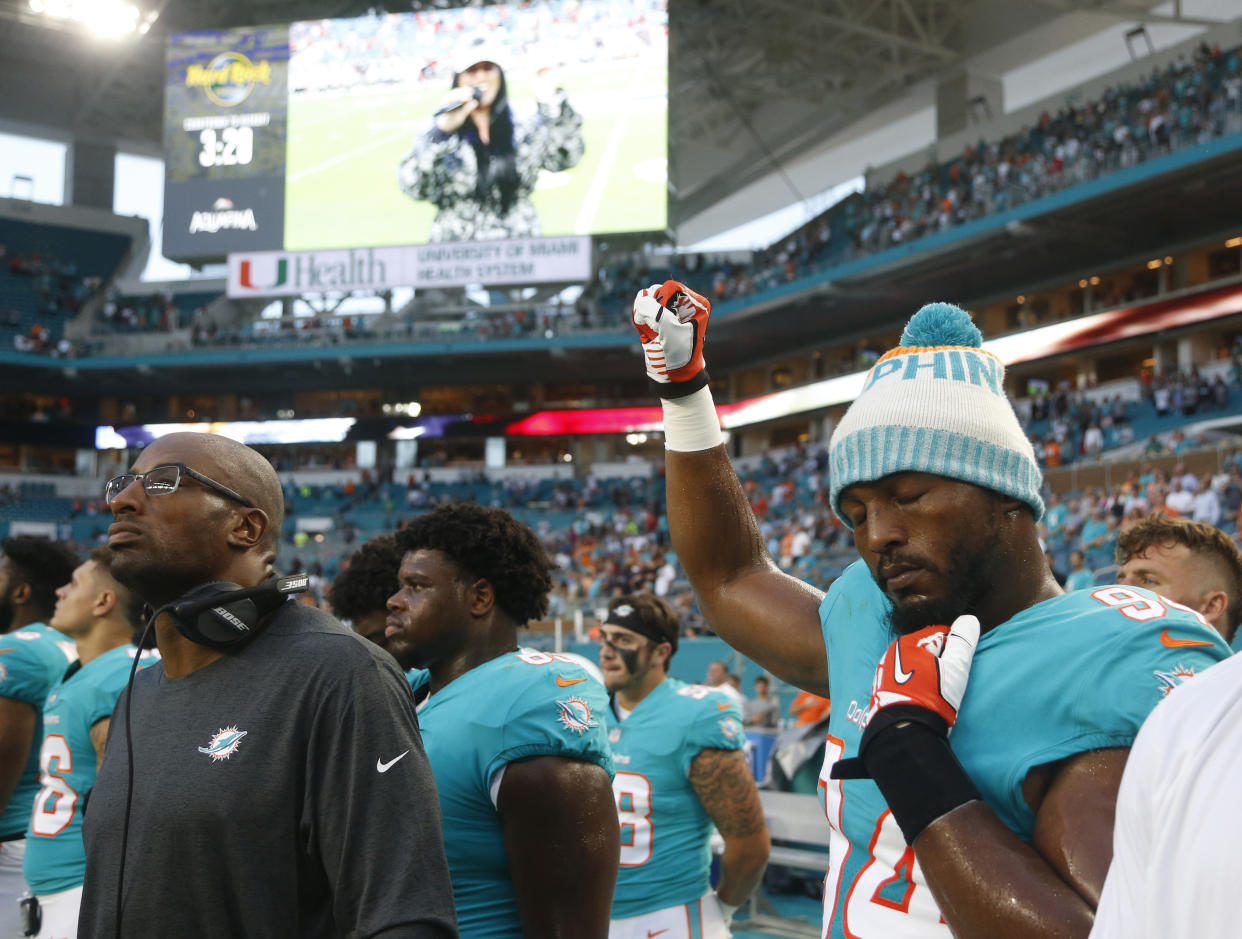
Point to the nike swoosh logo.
(382, 767)
(652, 935)
(566, 682)
(1170, 642)
(901, 675)
(722, 707)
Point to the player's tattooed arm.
(99, 739)
(726, 788)
(17, 729)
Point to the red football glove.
(926, 669)
(917, 691)
(671, 321)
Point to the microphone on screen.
(476, 93)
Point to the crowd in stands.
(1188, 102)
(157, 312)
(609, 537)
(1067, 425)
(59, 291)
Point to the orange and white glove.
(926, 670)
(918, 689)
(671, 320)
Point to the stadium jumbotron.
(394, 249)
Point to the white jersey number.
(633, 792)
(872, 911)
(56, 802)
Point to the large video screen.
(543, 118)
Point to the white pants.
(12, 887)
(60, 914)
(700, 919)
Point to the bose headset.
(220, 615)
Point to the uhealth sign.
(491, 263)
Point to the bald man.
(1191, 563)
(278, 783)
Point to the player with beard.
(516, 737)
(680, 770)
(33, 657)
(1009, 831)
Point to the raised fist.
(671, 320)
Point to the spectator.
(1079, 578)
(718, 678)
(1207, 507)
(764, 709)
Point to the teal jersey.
(55, 856)
(665, 856)
(417, 677)
(32, 660)
(1075, 673)
(518, 706)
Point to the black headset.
(220, 615)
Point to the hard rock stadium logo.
(228, 79)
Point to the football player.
(100, 615)
(677, 749)
(516, 738)
(1009, 831)
(360, 593)
(1193, 563)
(33, 657)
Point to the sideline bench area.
(799, 835)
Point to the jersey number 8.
(633, 792)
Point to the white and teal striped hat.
(936, 404)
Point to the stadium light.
(108, 18)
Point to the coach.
(268, 777)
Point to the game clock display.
(225, 111)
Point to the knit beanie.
(936, 404)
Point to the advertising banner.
(457, 264)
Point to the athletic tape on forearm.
(690, 423)
(918, 775)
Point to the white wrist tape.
(726, 911)
(690, 423)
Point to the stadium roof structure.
(753, 83)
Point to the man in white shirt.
(1207, 504)
(1178, 824)
(718, 680)
(1180, 500)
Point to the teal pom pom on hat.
(941, 324)
(936, 404)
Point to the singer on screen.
(479, 160)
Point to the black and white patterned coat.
(442, 169)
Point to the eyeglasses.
(164, 479)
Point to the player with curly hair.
(516, 738)
(360, 593)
